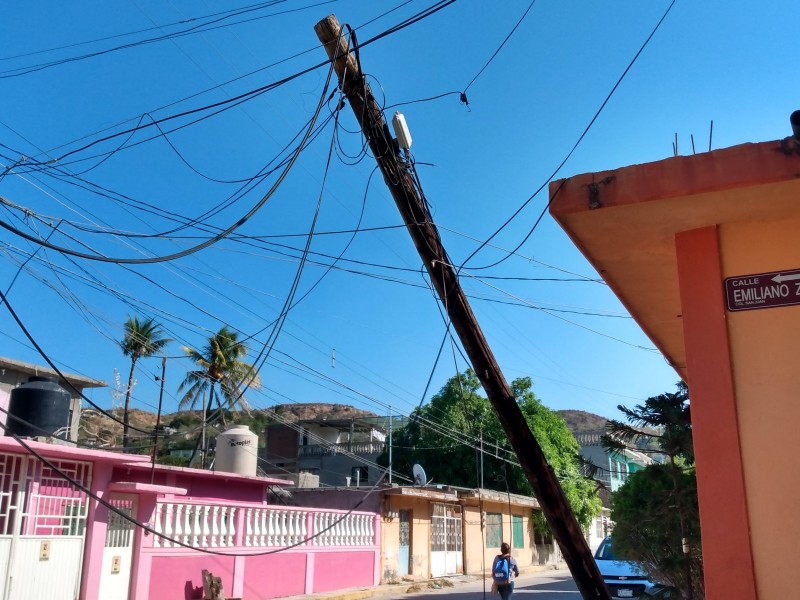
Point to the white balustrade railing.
(213, 525)
(275, 527)
(335, 529)
(194, 525)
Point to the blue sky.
(369, 330)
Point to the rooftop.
(624, 221)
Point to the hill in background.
(105, 432)
(580, 421)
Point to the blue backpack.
(501, 571)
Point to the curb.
(415, 586)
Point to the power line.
(188, 251)
(564, 161)
(496, 52)
(200, 28)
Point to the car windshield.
(605, 552)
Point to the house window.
(494, 530)
(599, 527)
(517, 534)
(359, 474)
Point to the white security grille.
(120, 530)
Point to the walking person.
(504, 570)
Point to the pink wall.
(198, 484)
(275, 575)
(259, 577)
(339, 570)
(180, 577)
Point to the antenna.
(419, 475)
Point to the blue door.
(404, 552)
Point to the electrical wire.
(188, 251)
(496, 52)
(200, 28)
(564, 161)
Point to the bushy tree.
(656, 515)
(445, 434)
(648, 528)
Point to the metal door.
(404, 551)
(42, 525)
(115, 578)
(446, 540)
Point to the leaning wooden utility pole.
(418, 220)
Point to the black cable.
(288, 304)
(201, 28)
(194, 249)
(496, 52)
(407, 102)
(185, 222)
(56, 369)
(564, 161)
(260, 90)
(128, 33)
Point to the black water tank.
(42, 403)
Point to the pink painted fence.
(260, 552)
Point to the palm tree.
(142, 339)
(221, 375)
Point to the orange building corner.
(704, 251)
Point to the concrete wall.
(765, 345)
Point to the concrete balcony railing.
(360, 448)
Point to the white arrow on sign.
(781, 278)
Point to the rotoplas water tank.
(39, 407)
(237, 451)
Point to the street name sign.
(763, 290)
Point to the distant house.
(611, 468)
(59, 542)
(339, 451)
(432, 531)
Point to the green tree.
(655, 513)
(142, 339)
(445, 435)
(221, 375)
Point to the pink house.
(56, 541)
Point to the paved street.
(549, 585)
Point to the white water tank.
(237, 451)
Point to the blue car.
(623, 578)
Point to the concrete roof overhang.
(430, 493)
(78, 381)
(624, 221)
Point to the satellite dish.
(419, 475)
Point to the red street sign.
(763, 290)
